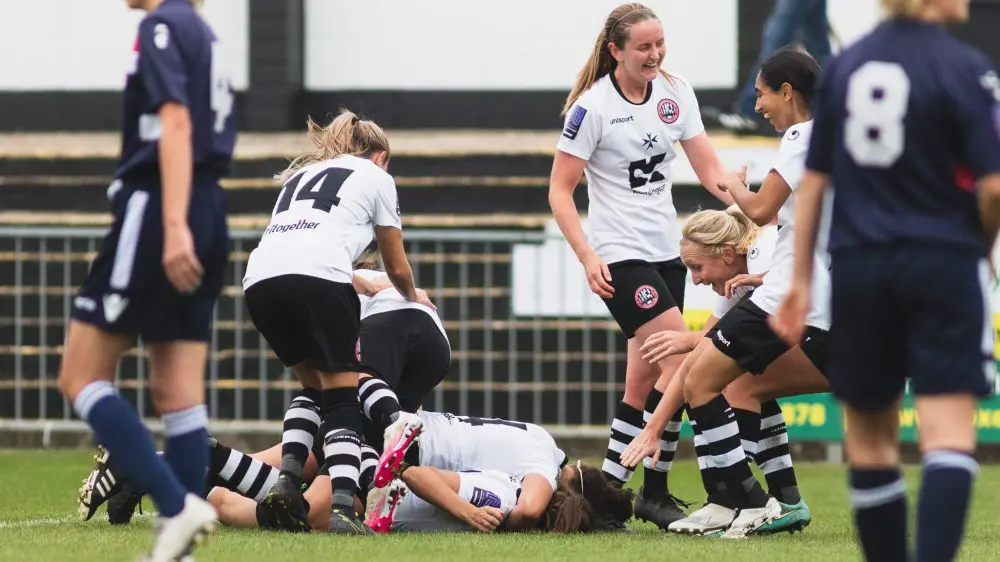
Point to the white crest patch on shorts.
(646, 297)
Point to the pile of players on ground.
(437, 471)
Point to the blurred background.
(470, 93)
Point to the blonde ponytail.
(346, 134)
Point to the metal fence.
(545, 358)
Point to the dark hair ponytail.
(794, 67)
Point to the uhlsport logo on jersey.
(575, 121)
(646, 297)
(754, 252)
(668, 110)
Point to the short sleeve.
(161, 66)
(977, 94)
(387, 203)
(791, 164)
(581, 131)
(724, 305)
(819, 157)
(693, 125)
(368, 274)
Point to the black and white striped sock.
(379, 402)
(774, 457)
(342, 448)
(718, 425)
(237, 471)
(626, 425)
(299, 430)
(342, 443)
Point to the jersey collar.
(649, 90)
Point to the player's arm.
(536, 491)
(660, 345)
(397, 266)
(706, 164)
(176, 163)
(440, 488)
(988, 191)
(369, 283)
(566, 173)
(761, 207)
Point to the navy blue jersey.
(905, 122)
(179, 60)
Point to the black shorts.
(910, 311)
(307, 320)
(126, 290)
(744, 335)
(644, 290)
(405, 349)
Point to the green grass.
(38, 522)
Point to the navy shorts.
(127, 291)
(644, 290)
(911, 311)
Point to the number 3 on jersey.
(877, 97)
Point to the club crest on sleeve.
(646, 297)
(668, 110)
(574, 122)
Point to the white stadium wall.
(87, 45)
(509, 45)
(428, 64)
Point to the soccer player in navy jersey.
(906, 130)
(159, 269)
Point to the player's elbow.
(175, 120)
(759, 216)
(989, 188)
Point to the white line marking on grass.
(48, 521)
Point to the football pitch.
(38, 522)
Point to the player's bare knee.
(946, 422)
(310, 378)
(871, 438)
(742, 393)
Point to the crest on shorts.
(646, 297)
(357, 350)
(668, 110)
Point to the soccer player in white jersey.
(624, 116)
(742, 341)
(298, 287)
(727, 251)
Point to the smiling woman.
(623, 118)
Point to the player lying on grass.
(450, 443)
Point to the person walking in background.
(803, 22)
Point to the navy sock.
(186, 448)
(879, 500)
(119, 430)
(944, 503)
